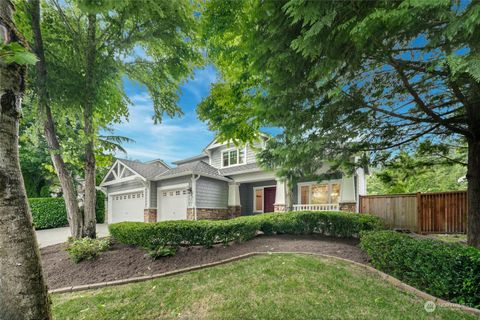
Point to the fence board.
(436, 212)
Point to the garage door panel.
(128, 207)
(172, 204)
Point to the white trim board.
(174, 186)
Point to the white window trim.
(309, 184)
(233, 165)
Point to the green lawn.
(450, 238)
(283, 286)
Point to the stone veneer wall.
(150, 215)
(348, 206)
(213, 214)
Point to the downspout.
(194, 195)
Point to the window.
(233, 157)
(335, 193)
(319, 193)
(304, 194)
(177, 193)
(258, 200)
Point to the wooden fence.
(436, 212)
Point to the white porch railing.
(316, 207)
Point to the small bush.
(162, 252)
(86, 248)
(48, 213)
(448, 271)
(206, 233)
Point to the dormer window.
(233, 157)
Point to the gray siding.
(246, 195)
(174, 181)
(212, 193)
(135, 184)
(217, 154)
(153, 195)
(126, 186)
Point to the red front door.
(268, 199)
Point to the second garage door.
(173, 204)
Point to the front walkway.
(50, 237)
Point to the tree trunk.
(75, 219)
(90, 192)
(23, 293)
(473, 193)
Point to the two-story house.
(222, 182)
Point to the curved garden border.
(392, 280)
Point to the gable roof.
(215, 144)
(148, 170)
(191, 159)
(195, 167)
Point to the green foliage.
(162, 251)
(407, 173)
(207, 233)
(341, 78)
(100, 207)
(48, 213)
(86, 248)
(448, 271)
(16, 53)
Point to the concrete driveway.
(49, 237)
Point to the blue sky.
(174, 138)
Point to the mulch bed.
(122, 262)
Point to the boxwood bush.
(448, 271)
(48, 212)
(207, 233)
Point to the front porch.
(254, 197)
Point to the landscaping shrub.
(48, 213)
(86, 248)
(100, 207)
(448, 271)
(207, 233)
(162, 252)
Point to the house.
(223, 181)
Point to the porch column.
(347, 194)
(234, 207)
(281, 196)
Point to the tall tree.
(151, 42)
(23, 293)
(347, 77)
(75, 219)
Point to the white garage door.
(173, 204)
(128, 207)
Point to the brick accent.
(279, 208)
(150, 215)
(348, 206)
(213, 214)
(234, 211)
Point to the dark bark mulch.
(121, 261)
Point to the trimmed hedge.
(448, 271)
(50, 213)
(207, 233)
